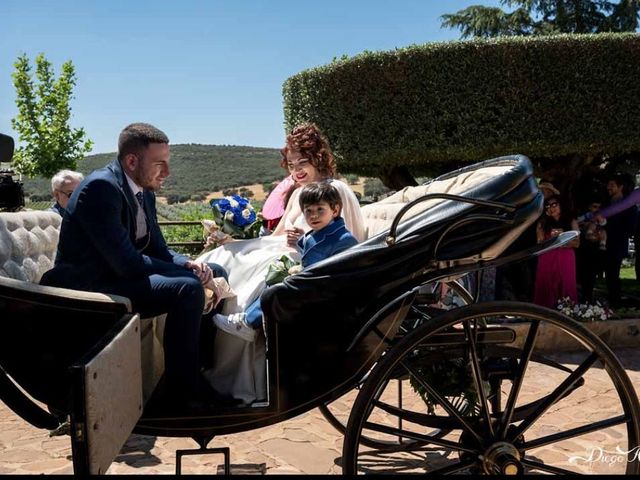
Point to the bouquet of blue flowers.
(235, 216)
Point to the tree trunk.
(397, 177)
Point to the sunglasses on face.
(552, 204)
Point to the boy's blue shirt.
(315, 246)
(332, 239)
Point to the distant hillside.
(195, 169)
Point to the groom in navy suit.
(110, 242)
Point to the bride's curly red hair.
(313, 145)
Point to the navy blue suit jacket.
(97, 236)
(332, 239)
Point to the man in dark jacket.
(110, 242)
(619, 228)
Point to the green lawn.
(629, 284)
(630, 289)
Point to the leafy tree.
(539, 17)
(42, 123)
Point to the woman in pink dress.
(556, 273)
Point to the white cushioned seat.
(379, 216)
(28, 246)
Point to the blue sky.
(203, 71)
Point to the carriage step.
(204, 451)
(498, 335)
(224, 469)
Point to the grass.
(630, 290)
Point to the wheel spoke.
(458, 341)
(517, 384)
(555, 395)
(451, 410)
(400, 407)
(376, 427)
(574, 432)
(477, 377)
(547, 468)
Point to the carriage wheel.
(438, 298)
(508, 405)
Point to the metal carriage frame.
(373, 333)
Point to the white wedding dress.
(239, 366)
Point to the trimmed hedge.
(429, 105)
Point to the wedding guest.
(63, 185)
(516, 280)
(636, 243)
(591, 253)
(620, 227)
(556, 271)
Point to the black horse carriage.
(469, 389)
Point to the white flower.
(246, 213)
(229, 215)
(233, 203)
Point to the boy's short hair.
(317, 192)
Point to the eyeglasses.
(300, 164)
(552, 204)
(67, 194)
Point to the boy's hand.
(293, 235)
(295, 269)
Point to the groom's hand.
(201, 269)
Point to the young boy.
(321, 205)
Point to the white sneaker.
(235, 324)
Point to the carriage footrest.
(204, 451)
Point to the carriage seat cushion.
(28, 246)
(28, 243)
(379, 216)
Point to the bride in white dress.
(238, 366)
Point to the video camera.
(11, 191)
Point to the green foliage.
(268, 186)
(195, 170)
(542, 17)
(42, 123)
(451, 378)
(351, 179)
(436, 106)
(183, 233)
(37, 204)
(373, 187)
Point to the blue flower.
(236, 216)
(223, 204)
